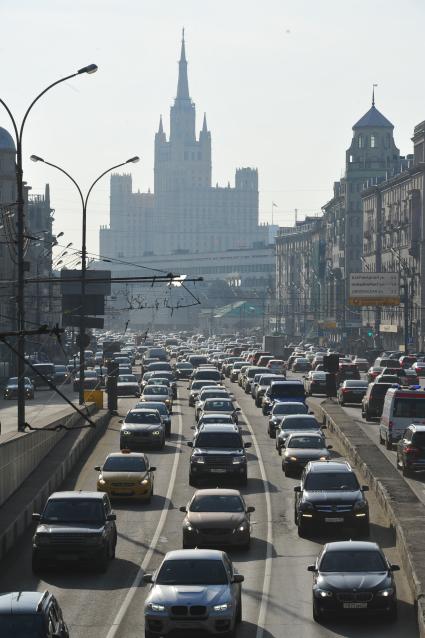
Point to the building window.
(361, 141)
(372, 141)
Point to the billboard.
(374, 289)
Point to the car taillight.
(345, 390)
(410, 449)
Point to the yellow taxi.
(126, 474)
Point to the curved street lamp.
(84, 201)
(20, 240)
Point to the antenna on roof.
(373, 94)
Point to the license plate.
(354, 605)
(334, 519)
(218, 470)
(122, 492)
(67, 556)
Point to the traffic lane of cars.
(46, 405)
(290, 599)
(90, 600)
(370, 429)
(250, 562)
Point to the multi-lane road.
(277, 587)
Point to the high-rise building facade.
(185, 213)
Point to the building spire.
(373, 94)
(161, 128)
(204, 124)
(183, 84)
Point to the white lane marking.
(154, 542)
(268, 561)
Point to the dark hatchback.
(411, 450)
(218, 453)
(353, 577)
(351, 391)
(11, 389)
(31, 614)
(281, 410)
(373, 400)
(330, 495)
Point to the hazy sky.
(282, 84)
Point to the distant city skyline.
(282, 88)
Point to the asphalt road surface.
(277, 587)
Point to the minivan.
(401, 409)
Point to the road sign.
(374, 289)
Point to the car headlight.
(101, 480)
(190, 527)
(156, 607)
(323, 458)
(359, 506)
(237, 460)
(223, 607)
(156, 433)
(385, 593)
(292, 458)
(241, 528)
(324, 593)
(199, 459)
(306, 506)
(126, 432)
(41, 539)
(144, 482)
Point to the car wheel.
(192, 481)
(392, 615)
(381, 440)
(405, 470)
(317, 614)
(389, 443)
(286, 470)
(301, 529)
(150, 634)
(103, 561)
(35, 563)
(239, 612)
(279, 450)
(243, 480)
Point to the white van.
(401, 409)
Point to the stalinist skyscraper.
(185, 213)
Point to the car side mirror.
(311, 568)
(365, 488)
(297, 488)
(238, 578)
(148, 578)
(250, 509)
(190, 444)
(311, 412)
(238, 410)
(323, 427)
(395, 568)
(36, 517)
(248, 444)
(183, 509)
(329, 447)
(188, 387)
(121, 421)
(111, 517)
(152, 469)
(97, 468)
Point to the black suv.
(329, 495)
(218, 450)
(32, 614)
(373, 400)
(75, 526)
(411, 450)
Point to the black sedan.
(351, 391)
(353, 577)
(11, 389)
(315, 382)
(300, 449)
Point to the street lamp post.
(84, 201)
(20, 228)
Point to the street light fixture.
(20, 240)
(84, 201)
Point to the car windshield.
(194, 571)
(142, 417)
(344, 481)
(306, 442)
(60, 369)
(74, 510)
(14, 381)
(353, 561)
(125, 463)
(219, 440)
(216, 419)
(287, 391)
(290, 408)
(355, 384)
(300, 423)
(380, 389)
(184, 366)
(127, 378)
(158, 405)
(90, 374)
(208, 374)
(218, 406)
(198, 385)
(22, 626)
(409, 408)
(216, 503)
(156, 389)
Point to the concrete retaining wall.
(22, 452)
(22, 519)
(405, 511)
